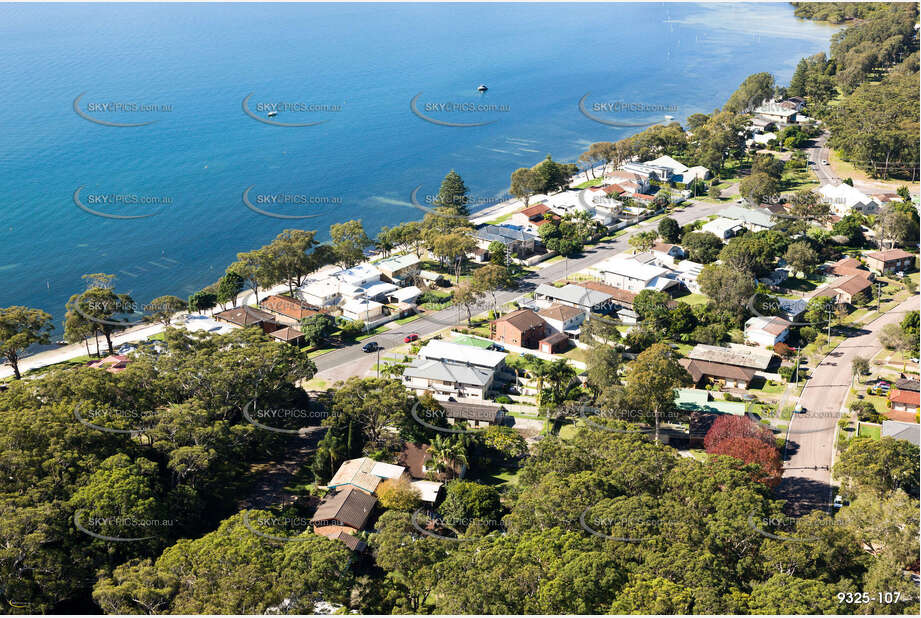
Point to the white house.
(327, 292)
(676, 168)
(439, 350)
(362, 309)
(360, 275)
(755, 219)
(687, 272)
(667, 252)
(406, 295)
(698, 172)
(763, 138)
(629, 274)
(722, 227)
(379, 290)
(654, 172)
(448, 379)
(631, 182)
(562, 319)
(766, 331)
(778, 113)
(844, 199)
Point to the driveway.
(808, 456)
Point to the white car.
(839, 501)
(824, 162)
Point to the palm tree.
(446, 455)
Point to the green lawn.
(694, 299)
(408, 319)
(377, 331)
(767, 387)
(472, 341)
(800, 285)
(868, 431)
(500, 219)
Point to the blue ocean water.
(201, 60)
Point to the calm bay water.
(200, 61)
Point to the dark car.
(495, 347)
(371, 346)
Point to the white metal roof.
(437, 349)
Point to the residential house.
(846, 289)
(365, 474)
(249, 316)
(634, 276)
(379, 290)
(531, 217)
(687, 272)
(288, 306)
(431, 278)
(668, 252)
(289, 335)
(359, 275)
(899, 430)
(620, 302)
(400, 269)
(474, 415)
(114, 363)
(844, 199)
(362, 310)
(791, 309)
(347, 510)
(904, 397)
(754, 219)
(520, 242)
(763, 138)
(735, 354)
(776, 113)
(649, 172)
(448, 379)
(676, 168)
(409, 295)
(723, 228)
(848, 266)
(522, 328)
(585, 299)
(699, 400)
(891, 260)
(630, 182)
(703, 372)
(327, 292)
(562, 319)
(437, 349)
(767, 331)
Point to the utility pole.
(829, 310)
(879, 296)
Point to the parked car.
(839, 501)
(410, 338)
(371, 346)
(495, 347)
(799, 409)
(824, 162)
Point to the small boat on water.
(272, 114)
(669, 117)
(482, 88)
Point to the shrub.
(504, 399)
(728, 426)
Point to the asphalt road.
(806, 482)
(817, 154)
(435, 321)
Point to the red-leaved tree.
(753, 450)
(730, 426)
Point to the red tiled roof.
(890, 254)
(905, 397)
(852, 284)
(535, 210)
(559, 312)
(522, 319)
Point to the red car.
(410, 338)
